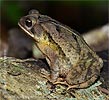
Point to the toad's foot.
(69, 86)
(62, 82)
(45, 74)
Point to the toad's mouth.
(28, 32)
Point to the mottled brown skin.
(71, 60)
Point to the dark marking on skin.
(70, 46)
(89, 55)
(78, 48)
(89, 72)
(39, 17)
(58, 29)
(52, 41)
(32, 30)
(97, 71)
(69, 50)
(75, 73)
(74, 36)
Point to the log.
(22, 80)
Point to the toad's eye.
(28, 22)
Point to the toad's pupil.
(28, 22)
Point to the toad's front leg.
(54, 71)
(53, 61)
(53, 74)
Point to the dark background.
(81, 15)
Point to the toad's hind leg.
(84, 84)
